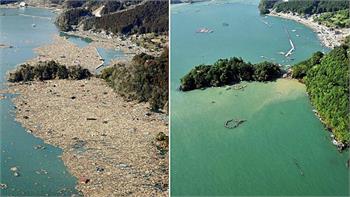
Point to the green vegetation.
(151, 16)
(265, 5)
(47, 71)
(125, 17)
(327, 81)
(300, 69)
(227, 72)
(303, 7)
(145, 79)
(339, 19)
(71, 17)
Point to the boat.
(204, 30)
(33, 25)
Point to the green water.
(17, 146)
(257, 158)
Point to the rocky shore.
(110, 145)
(328, 36)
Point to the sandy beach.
(328, 36)
(109, 144)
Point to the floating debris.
(14, 169)
(39, 147)
(99, 169)
(84, 180)
(234, 123)
(91, 118)
(204, 30)
(41, 172)
(3, 186)
(16, 174)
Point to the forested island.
(227, 72)
(326, 77)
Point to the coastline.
(108, 143)
(120, 42)
(329, 37)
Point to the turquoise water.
(281, 139)
(17, 146)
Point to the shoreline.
(329, 37)
(119, 42)
(108, 144)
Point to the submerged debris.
(298, 166)
(234, 123)
(39, 147)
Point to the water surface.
(17, 146)
(261, 157)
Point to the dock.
(291, 44)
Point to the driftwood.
(234, 123)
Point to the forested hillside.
(145, 79)
(151, 16)
(327, 81)
(303, 7)
(120, 16)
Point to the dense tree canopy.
(121, 16)
(338, 19)
(303, 7)
(144, 79)
(228, 71)
(47, 71)
(327, 81)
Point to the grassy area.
(339, 19)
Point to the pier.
(291, 44)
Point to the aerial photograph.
(259, 98)
(84, 97)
